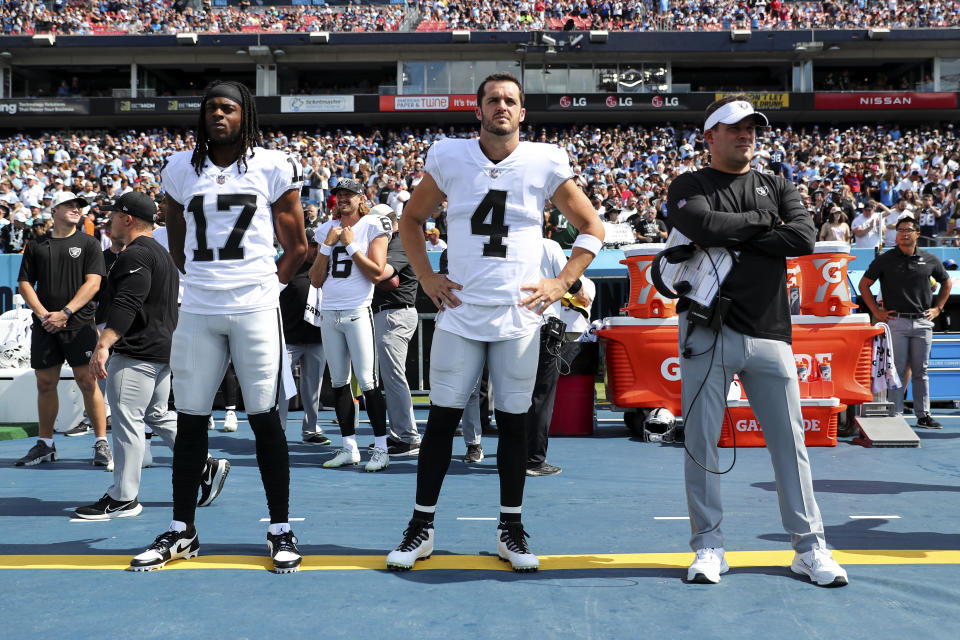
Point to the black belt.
(389, 307)
(910, 316)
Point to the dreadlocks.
(249, 130)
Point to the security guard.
(908, 308)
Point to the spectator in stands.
(835, 229)
(868, 228)
(928, 217)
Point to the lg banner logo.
(614, 101)
(661, 101)
(567, 101)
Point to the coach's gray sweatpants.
(312, 363)
(769, 376)
(394, 328)
(138, 392)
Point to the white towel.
(884, 371)
(311, 313)
(590, 333)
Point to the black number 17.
(232, 249)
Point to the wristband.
(593, 244)
(352, 248)
(326, 250)
(67, 312)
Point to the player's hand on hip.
(440, 289)
(883, 315)
(333, 236)
(346, 235)
(98, 363)
(543, 294)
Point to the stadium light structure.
(258, 50)
(878, 34)
(548, 40)
(599, 36)
(739, 35)
(187, 39)
(44, 40)
(319, 37)
(460, 35)
(575, 40)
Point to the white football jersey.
(346, 287)
(229, 227)
(495, 214)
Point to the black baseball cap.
(349, 184)
(136, 204)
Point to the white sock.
(350, 443)
(176, 525)
(278, 528)
(104, 438)
(380, 442)
(47, 441)
(233, 408)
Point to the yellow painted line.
(492, 563)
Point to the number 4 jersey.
(494, 230)
(346, 287)
(230, 255)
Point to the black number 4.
(494, 204)
(232, 249)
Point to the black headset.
(673, 255)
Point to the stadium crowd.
(858, 172)
(87, 17)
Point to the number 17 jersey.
(230, 255)
(495, 214)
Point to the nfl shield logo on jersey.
(493, 173)
(221, 179)
(762, 192)
(74, 252)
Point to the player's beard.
(498, 130)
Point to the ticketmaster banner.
(316, 104)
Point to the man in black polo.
(141, 302)
(395, 321)
(908, 308)
(66, 266)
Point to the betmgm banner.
(9, 270)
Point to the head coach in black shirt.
(141, 314)
(762, 219)
(909, 310)
(66, 266)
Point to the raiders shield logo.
(762, 192)
(221, 179)
(74, 252)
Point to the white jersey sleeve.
(345, 286)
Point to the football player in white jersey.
(492, 298)
(224, 201)
(352, 258)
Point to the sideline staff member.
(904, 273)
(67, 266)
(762, 218)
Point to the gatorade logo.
(648, 288)
(752, 425)
(832, 272)
(670, 369)
(811, 425)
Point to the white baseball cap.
(382, 210)
(61, 197)
(734, 112)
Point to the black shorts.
(51, 349)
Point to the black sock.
(346, 410)
(436, 447)
(376, 410)
(507, 518)
(512, 457)
(189, 457)
(274, 461)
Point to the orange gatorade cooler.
(794, 285)
(819, 423)
(823, 277)
(643, 366)
(645, 301)
(834, 356)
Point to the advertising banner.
(885, 100)
(44, 107)
(456, 102)
(316, 104)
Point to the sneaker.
(283, 549)
(417, 544)
(230, 421)
(107, 508)
(927, 422)
(211, 424)
(211, 483)
(316, 438)
(403, 449)
(543, 469)
(40, 452)
(707, 566)
(474, 454)
(512, 547)
(342, 457)
(818, 564)
(147, 453)
(169, 545)
(379, 460)
(102, 456)
(81, 429)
